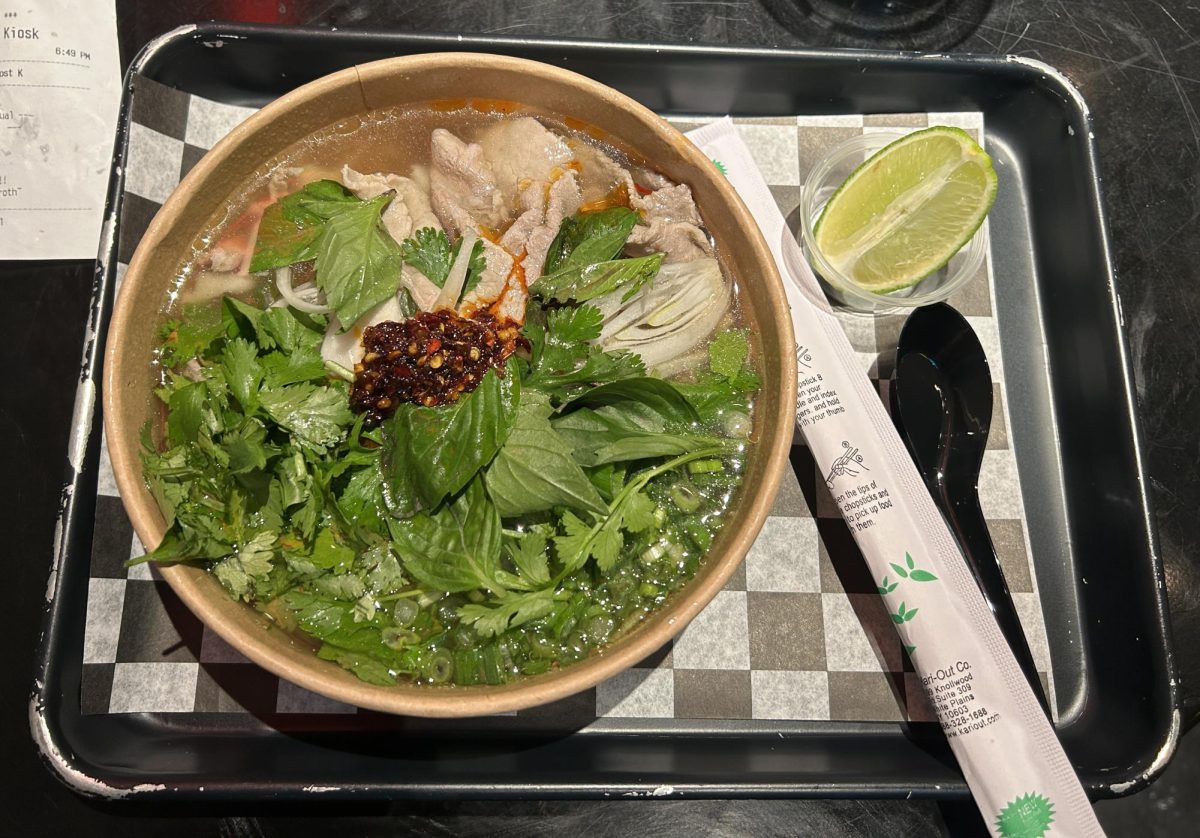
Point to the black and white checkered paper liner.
(799, 633)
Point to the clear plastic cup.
(826, 176)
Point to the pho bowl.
(130, 377)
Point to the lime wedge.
(907, 210)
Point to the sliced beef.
(463, 186)
(563, 201)
(495, 277)
(523, 152)
(671, 203)
(409, 210)
(420, 288)
(671, 225)
(599, 174)
(679, 240)
(532, 233)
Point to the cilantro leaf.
(573, 545)
(529, 557)
(345, 586)
(246, 446)
(294, 480)
(185, 416)
(381, 570)
(511, 610)
(252, 561)
(638, 513)
(304, 364)
(358, 263)
(728, 353)
(332, 621)
(242, 371)
(607, 543)
(240, 320)
(366, 667)
(564, 360)
(328, 553)
(475, 267)
(361, 502)
(191, 335)
(290, 330)
(316, 416)
(428, 250)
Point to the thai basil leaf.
(653, 394)
(585, 282)
(318, 201)
(432, 452)
(645, 446)
(535, 470)
(457, 547)
(589, 238)
(358, 263)
(291, 227)
(282, 242)
(611, 435)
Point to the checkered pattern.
(799, 633)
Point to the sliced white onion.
(452, 290)
(667, 318)
(306, 297)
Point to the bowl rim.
(327, 678)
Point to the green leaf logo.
(901, 572)
(720, 166)
(909, 649)
(909, 559)
(1029, 816)
(922, 576)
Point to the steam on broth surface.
(459, 393)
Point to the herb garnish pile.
(516, 529)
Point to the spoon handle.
(962, 513)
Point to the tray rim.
(54, 744)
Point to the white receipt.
(60, 88)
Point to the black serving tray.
(1074, 431)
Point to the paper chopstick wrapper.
(1011, 758)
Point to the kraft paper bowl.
(129, 375)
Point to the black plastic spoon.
(941, 397)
